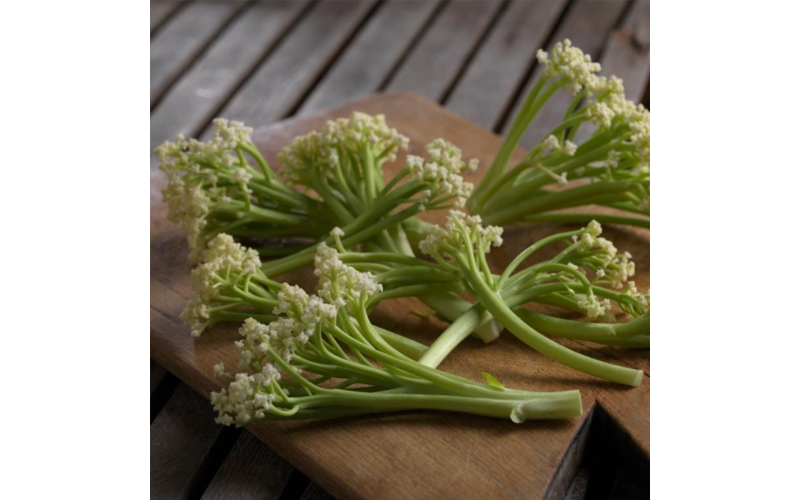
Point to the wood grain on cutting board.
(419, 454)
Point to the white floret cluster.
(197, 315)
(551, 142)
(294, 302)
(616, 105)
(590, 240)
(305, 152)
(617, 268)
(595, 308)
(620, 270)
(191, 189)
(223, 251)
(248, 395)
(188, 206)
(363, 128)
(578, 72)
(635, 116)
(613, 105)
(319, 151)
(569, 62)
(442, 172)
(224, 261)
(600, 114)
(637, 120)
(228, 136)
(442, 241)
(291, 300)
(340, 284)
(301, 316)
(284, 336)
(642, 300)
(241, 175)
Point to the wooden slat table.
(269, 60)
(181, 40)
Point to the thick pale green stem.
(459, 330)
(453, 307)
(533, 407)
(405, 345)
(636, 332)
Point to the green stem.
(444, 382)
(405, 345)
(260, 213)
(306, 256)
(452, 308)
(601, 333)
(458, 330)
(253, 151)
(634, 327)
(532, 407)
(553, 350)
(579, 195)
(530, 250)
(526, 114)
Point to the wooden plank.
(373, 54)
(157, 374)
(436, 61)
(194, 99)
(278, 86)
(587, 24)
(159, 11)
(413, 454)
(183, 38)
(180, 438)
(251, 471)
(487, 88)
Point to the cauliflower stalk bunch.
(610, 168)
(322, 357)
(331, 205)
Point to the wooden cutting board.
(420, 454)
